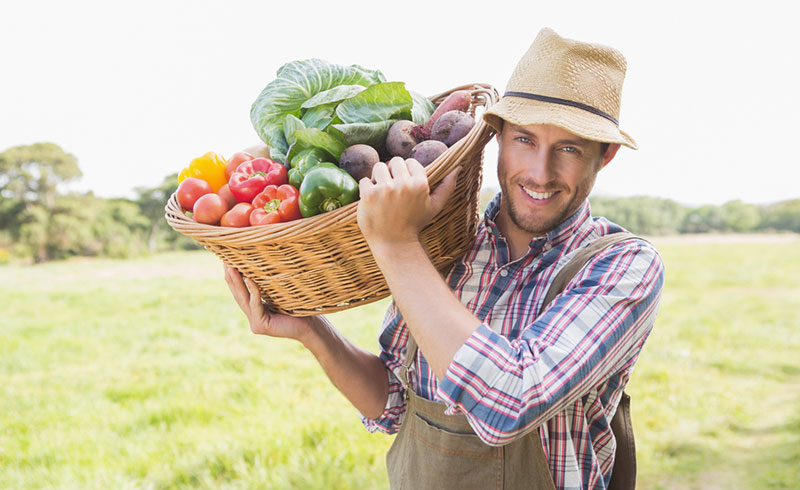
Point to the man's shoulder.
(603, 227)
(620, 242)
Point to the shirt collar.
(491, 213)
(568, 228)
(579, 219)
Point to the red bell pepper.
(251, 177)
(276, 204)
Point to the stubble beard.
(535, 223)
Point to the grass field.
(143, 374)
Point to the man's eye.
(523, 139)
(570, 149)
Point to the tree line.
(39, 221)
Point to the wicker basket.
(323, 264)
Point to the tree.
(741, 217)
(32, 173)
(29, 180)
(44, 224)
(704, 219)
(151, 201)
(784, 215)
(81, 224)
(641, 214)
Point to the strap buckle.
(406, 374)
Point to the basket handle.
(483, 94)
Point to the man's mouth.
(539, 196)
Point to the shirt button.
(503, 272)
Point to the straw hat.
(567, 83)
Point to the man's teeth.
(538, 195)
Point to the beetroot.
(358, 160)
(451, 127)
(458, 100)
(427, 151)
(399, 140)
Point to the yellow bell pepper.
(209, 167)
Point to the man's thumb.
(442, 193)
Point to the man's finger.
(415, 169)
(255, 294)
(380, 173)
(237, 286)
(259, 316)
(365, 185)
(399, 168)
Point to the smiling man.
(505, 389)
(546, 173)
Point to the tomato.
(190, 189)
(225, 192)
(238, 216)
(234, 162)
(209, 208)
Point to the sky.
(135, 90)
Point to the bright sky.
(136, 90)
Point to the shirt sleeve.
(393, 338)
(590, 331)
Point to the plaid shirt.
(563, 369)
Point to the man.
(504, 391)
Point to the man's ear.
(610, 153)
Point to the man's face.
(545, 173)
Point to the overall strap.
(623, 474)
(580, 259)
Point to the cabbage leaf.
(313, 103)
(423, 109)
(295, 83)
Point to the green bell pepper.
(304, 161)
(325, 188)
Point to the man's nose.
(541, 168)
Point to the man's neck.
(518, 240)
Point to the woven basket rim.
(478, 136)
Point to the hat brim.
(523, 112)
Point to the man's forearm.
(438, 321)
(395, 206)
(360, 375)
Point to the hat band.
(556, 100)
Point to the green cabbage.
(313, 103)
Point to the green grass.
(716, 393)
(143, 374)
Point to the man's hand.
(262, 322)
(357, 373)
(397, 203)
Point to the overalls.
(434, 451)
(437, 451)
